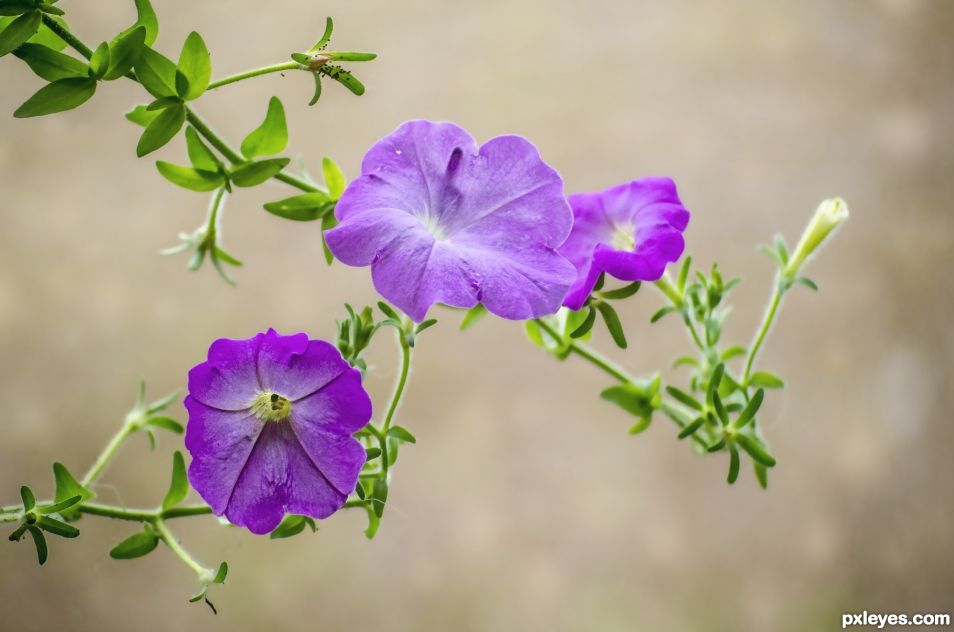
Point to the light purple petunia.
(630, 231)
(270, 429)
(440, 219)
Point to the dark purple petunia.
(630, 231)
(440, 219)
(270, 429)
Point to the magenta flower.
(440, 219)
(270, 429)
(630, 231)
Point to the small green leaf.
(141, 115)
(200, 156)
(624, 292)
(221, 573)
(179, 486)
(345, 78)
(714, 381)
(60, 506)
(40, 541)
(136, 545)
(379, 496)
(684, 398)
(163, 403)
(161, 130)
(755, 449)
(748, 413)
(50, 64)
(195, 68)
(18, 532)
(57, 527)
(684, 274)
(473, 314)
(764, 379)
(156, 73)
(807, 283)
(691, 427)
(401, 434)
(189, 178)
(15, 7)
(630, 398)
(374, 521)
(586, 325)
(733, 464)
(166, 423)
(99, 62)
(371, 454)
(732, 352)
(388, 311)
(19, 31)
(640, 425)
(327, 222)
(344, 56)
(761, 473)
(326, 36)
(254, 173)
(124, 52)
(427, 324)
(305, 207)
(59, 96)
(317, 94)
(290, 526)
(271, 137)
(612, 323)
(46, 37)
(721, 412)
(662, 312)
(334, 178)
(146, 18)
(685, 361)
(67, 486)
(29, 500)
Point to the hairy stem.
(255, 72)
(144, 515)
(396, 396)
(767, 320)
(106, 456)
(205, 575)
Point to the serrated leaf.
(136, 545)
(40, 541)
(401, 434)
(612, 324)
(156, 73)
(194, 70)
(161, 130)
(50, 64)
(179, 485)
(124, 52)
(254, 173)
(271, 137)
(305, 207)
(189, 178)
(59, 96)
(19, 31)
(334, 178)
(166, 423)
(764, 379)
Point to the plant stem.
(214, 139)
(204, 574)
(108, 453)
(248, 74)
(666, 286)
(396, 395)
(767, 320)
(144, 515)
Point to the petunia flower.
(630, 231)
(270, 429)
(440, 219)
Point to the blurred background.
(524, 505)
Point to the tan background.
(525, 506)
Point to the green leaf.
(629, 398)
(765, 379)
(16, 7)
(60, 506)
(379, 496)
(290, 526)
(733, 464)
(807, 283)
(136, 545)
(334, 178)
(195, 68)
(305, 207)
(271, 137)
(370, 455)
(388, 311)
(714, 381)
(427, 324)
(166, 423)
(19, 31)
(99, 62)
(761, 473)
(146, 19)
(57, 527)
(46, 37)
(662, 312)
(327, 222)
(731, 352)
(624, 292)
(473, 314)
(18, 532)
(221, 573)
(326, 36)
(685, 361)
(317, 94)
(755, 450)
(691, 427)
(179, 486)
(345, 78)
(586, 325)
(141, 115)
(253, 173)
(401, 434)
(346, 56)
(124, 52)
(50, 64)
(612, 323)
(720, 409)
(67, 486)
(684, 274)
(189, 178)
(29, 500)
(40, 541)
(684, 398)
(640, 425)
(200, 156)
(161, 130)
(59, 96)
(748, 413)
(156, 73)
(374, 521)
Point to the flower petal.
(295, 367)
(220, 443)
(228, 379)
(341, 406)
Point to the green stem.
(668, 288)
(763, 330)
(144, 515)
(256, 72)
(214, 139)
(108, 453)
(204, 574)
(382, 433)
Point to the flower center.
(271, 407)
(622, 238)
(432, 224)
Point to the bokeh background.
(524, 506)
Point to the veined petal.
(229, 378)
(295, 367)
